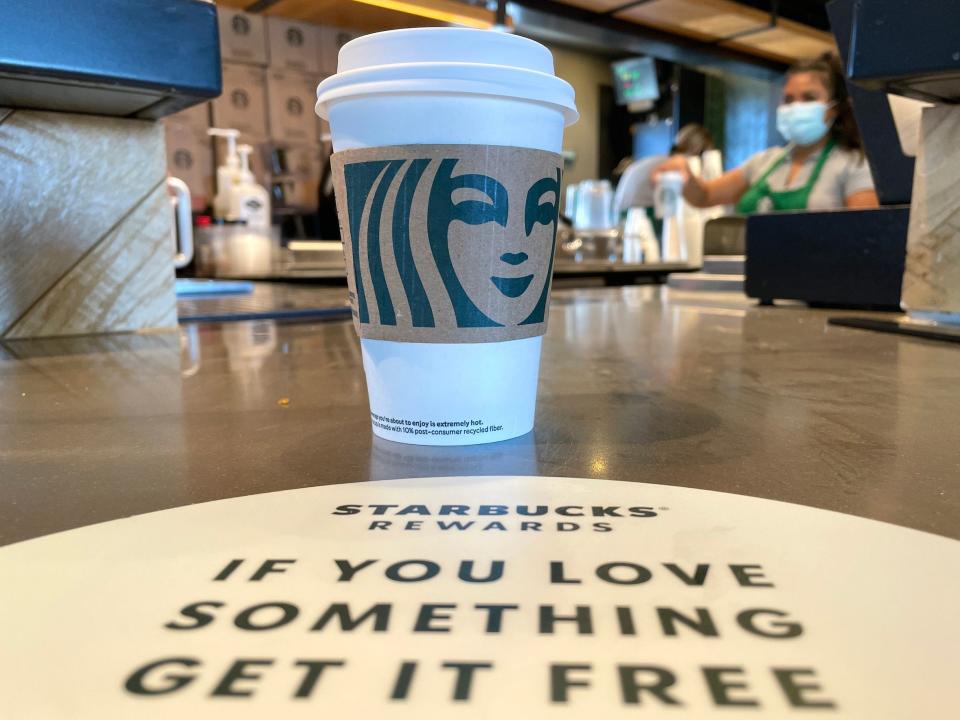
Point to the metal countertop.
(638, 383)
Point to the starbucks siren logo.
(240, 25)
(294, 37)
(480, 219)
(295, 107)
(240, 99)
(183, 159)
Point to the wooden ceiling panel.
(366, 17)
(345, 13)
(783, 44)
(596, 5)
(700, 19)
(705, 20)
(720, 25)
(714, 20)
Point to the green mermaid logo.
(435, 244)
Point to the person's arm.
(724, 190)
(862, 199)
(858, 186)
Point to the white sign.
(511, 597)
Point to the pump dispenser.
(250, 202)
(228, 174)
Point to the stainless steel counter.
(638, 384)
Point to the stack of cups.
(712, 164)
(594, 206)
(447, 172)
(668, 205)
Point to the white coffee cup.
(668, 193)
(712, 164)
(448, 86)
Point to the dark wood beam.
(625, 6)
(260, 5)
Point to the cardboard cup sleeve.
(448, 243)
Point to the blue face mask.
(803, 122)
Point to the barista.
(821, 168)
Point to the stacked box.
(196, 117)
(299, 55)
(331, 40)
(291, 98)
(293, 45)
(243, 103)
(304, 166)
(324, 129)
(243, 37)
(189, 153)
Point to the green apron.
(795, 199)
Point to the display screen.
(635, 80)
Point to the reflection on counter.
(236, 251)
(389, 460)
(231, 301)
(638, 383)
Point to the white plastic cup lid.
(448, 60)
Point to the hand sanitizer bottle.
(228, 174)
(250, 202)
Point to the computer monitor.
(635, 80)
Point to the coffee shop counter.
(637, 384)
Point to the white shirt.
(844, 173)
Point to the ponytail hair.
(692, 139)
(828, 67)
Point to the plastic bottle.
(228, 174)
(249, 201)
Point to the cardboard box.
(331, 40)
(243, 104)
(323, 130)
(243, 37)
(304, 166)
(293, 45)
(291, 98)
(190, 158)
(303, 160)
(301, 180)
(196, 117)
